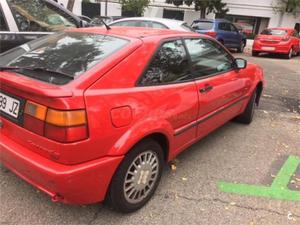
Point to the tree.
(135, 7)
(204, 6)
(287, 6)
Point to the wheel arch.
(259, 89)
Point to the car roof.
(160, 20)
(134, 32)
(212, 20)
(281, 28)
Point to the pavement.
(190, 192)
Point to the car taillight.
(211, 33)
(58, 125)
(34, 117)
(66, 126)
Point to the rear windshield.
(67, 53)
(274, 32)
(202, 25)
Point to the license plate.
(268, 48)
(9, 105)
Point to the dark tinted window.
(3, 25)
(170, 64)
(203, 25)
(274, 32)
(208, 57)
(38, 15)
(66, 52)
(224, 26)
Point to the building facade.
(254, 15)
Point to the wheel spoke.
(141, 176)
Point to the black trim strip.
(196, 123)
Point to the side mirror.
(240, 63)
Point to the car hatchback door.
(220, 86)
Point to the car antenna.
(106, 26)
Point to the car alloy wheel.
(141, 176)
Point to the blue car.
(222, 30)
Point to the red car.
(91, 114)
(277, 40)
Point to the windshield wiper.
(36, 69)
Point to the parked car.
(158, 23)
(92, 114)
(277, 40)
(23, 21)
(222, 30)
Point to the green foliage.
(288, 6)
(204, 6)
(136, 6)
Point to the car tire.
(289, 55)
(255, 53)
(241, 48)
(247, 116)
(132, 186)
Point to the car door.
(168, 80)
(236, 37)
(225, 34)
(27, 23)
(221, 88)
(8, 28)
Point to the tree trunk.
(203, 13)
(70, 5)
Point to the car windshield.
(68, 53)
(202, 25)
(38, 15)
(274, 32)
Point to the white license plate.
(268, 48)
(9, 105)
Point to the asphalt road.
(235, 153)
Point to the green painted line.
(286, 172)
(278, 189)
(260, 191)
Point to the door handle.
(206, 89)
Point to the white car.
(158, 23)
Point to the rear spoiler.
(35, 87)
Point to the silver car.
(158, 23)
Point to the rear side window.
(159, 25)
(129, 23)
(68, 53)
(224, 26)
(169, 65)
(3, 25)
(208, 58)
(187, 27)
(274, 32)
(203, 25)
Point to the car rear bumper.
(76, 184)
(281, 48)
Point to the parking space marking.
(278, 189)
